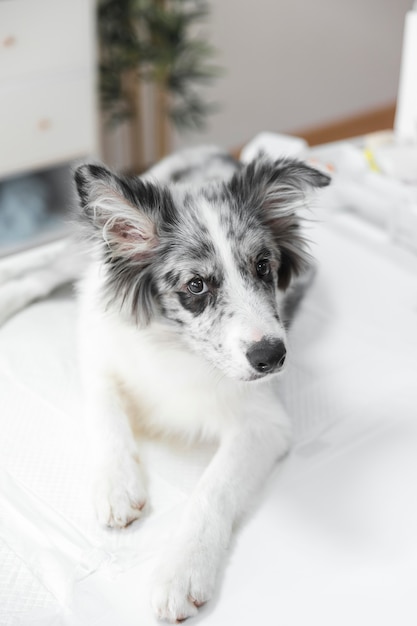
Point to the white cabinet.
(47, 83)
(47, 114)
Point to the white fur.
(175, 392)
(253, 318)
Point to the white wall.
(291, 64)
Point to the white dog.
(181, 318)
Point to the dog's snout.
(267, 355)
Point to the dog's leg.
(119, 491)
(187, 574)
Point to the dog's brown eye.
(263, 268)
(197, 286)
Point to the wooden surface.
(352, 126)
(362, 124)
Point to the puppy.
(181, 317)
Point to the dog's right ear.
(120, 213)
(276, 190)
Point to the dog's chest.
(171, 389)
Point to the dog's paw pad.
(119, 494)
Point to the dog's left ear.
(277, 190)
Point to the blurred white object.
(34, 274)
(273, 145)
(397, 160)
(391, 156)
(359, 187)
(406, 114)
(342, 157)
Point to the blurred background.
(128, 81)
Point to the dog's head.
(209, 262)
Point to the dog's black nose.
(267, 355)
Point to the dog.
(181, 317)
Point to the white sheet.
(332, 539)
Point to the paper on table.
(52, 547)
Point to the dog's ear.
(122, 217)
(277, 190)
(121, 213)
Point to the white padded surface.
(332, 539)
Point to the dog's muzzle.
(267, 356)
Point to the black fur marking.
(215, 194)
(295, 294)
(243, 268)
(230, 160)
(132, 285)
(179, 175)
(266, 281)
(287, 268)
(215, 281)
(195, 304)
(172, 279)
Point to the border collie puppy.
(182, 330)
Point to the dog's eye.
(263, 268)
(197, 286)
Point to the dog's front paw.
(119, 493)
(184, 581)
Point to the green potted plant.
(151, 41)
